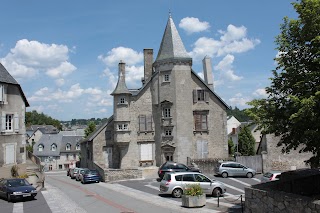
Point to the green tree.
(35, 118)
(292, 109)
(91, 128)
(231, 147)
(240, 115)
(246, 142)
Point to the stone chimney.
(148, 61)
(207, 72)
(122, 71)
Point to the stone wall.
(257, 201)
(122, 174)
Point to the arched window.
(40, 148)
(68, 146)
(53, 147)
(78, 146)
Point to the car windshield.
(17, 182)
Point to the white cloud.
(42, 92)
(64, 69)
(28, 58)
(233, 40)
(127, 55)
(60, 82)
(193, 25)
(261, 93)
(226, 69)
(239, 101)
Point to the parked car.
(170, 166)
(230, 168)
(90, 176)
(175, 182)
(73, 173)
(270, 176)
(16, 188)
(80, 172)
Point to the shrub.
(193, 190)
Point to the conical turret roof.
(171, 45)
(121, 87)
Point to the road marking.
(17, 208)
(152, 187)
(239, 181)
(256, 180)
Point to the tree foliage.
(90, 129)
(231, 147)
(240, 115)
(35, 118)
(292, 109)
(246, 142)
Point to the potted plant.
(193, 196)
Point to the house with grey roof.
(13, 105)
(174, 116)
(58, 151)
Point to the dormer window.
(78, 146)
(166, 112)
(68, 147)
(53, 147)
(40, 148)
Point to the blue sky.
(65, 54)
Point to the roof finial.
(169, 13)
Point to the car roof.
(183, 173)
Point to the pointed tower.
(173, 98)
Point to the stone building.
(13, 105)
(174, 116)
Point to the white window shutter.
(16, 122)
(3, 122)
(1, 92)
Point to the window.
(167, 113)
(78, 146)
(53, 147)
(9, 122)
(188, 177)
(68, 146)
(166, 78)
(122, 100)
(200, 95)
(201, 121)
(168, 132)
(202, 149)
(122, 127)
(40, 148)
(145, 123)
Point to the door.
(10, 153)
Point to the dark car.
(90, 176)
(17, 188)
(170, 166)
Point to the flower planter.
(193, 201)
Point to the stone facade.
(175, 115)
(12, 120)
(274, 159)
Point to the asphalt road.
(62, 194)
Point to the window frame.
(9, 122)
(55, 147)
(166, 112)
(77, 146)
(145, 123)
(68, 147)
(200, 121)
(123, 127)
(166, 77)
(40, 147)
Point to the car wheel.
(176, 193)
(249, 175)
(216, 192)
(224, 175)
(82, 182)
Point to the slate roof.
(47, 140)
(121, 87)
(5, 77)
(171, 46)
(72, 140)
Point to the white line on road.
(152, 187)
(256, 180)
(17, 208)
(239, 181)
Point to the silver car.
(270, 176)
(174, 184)
(231, 168)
